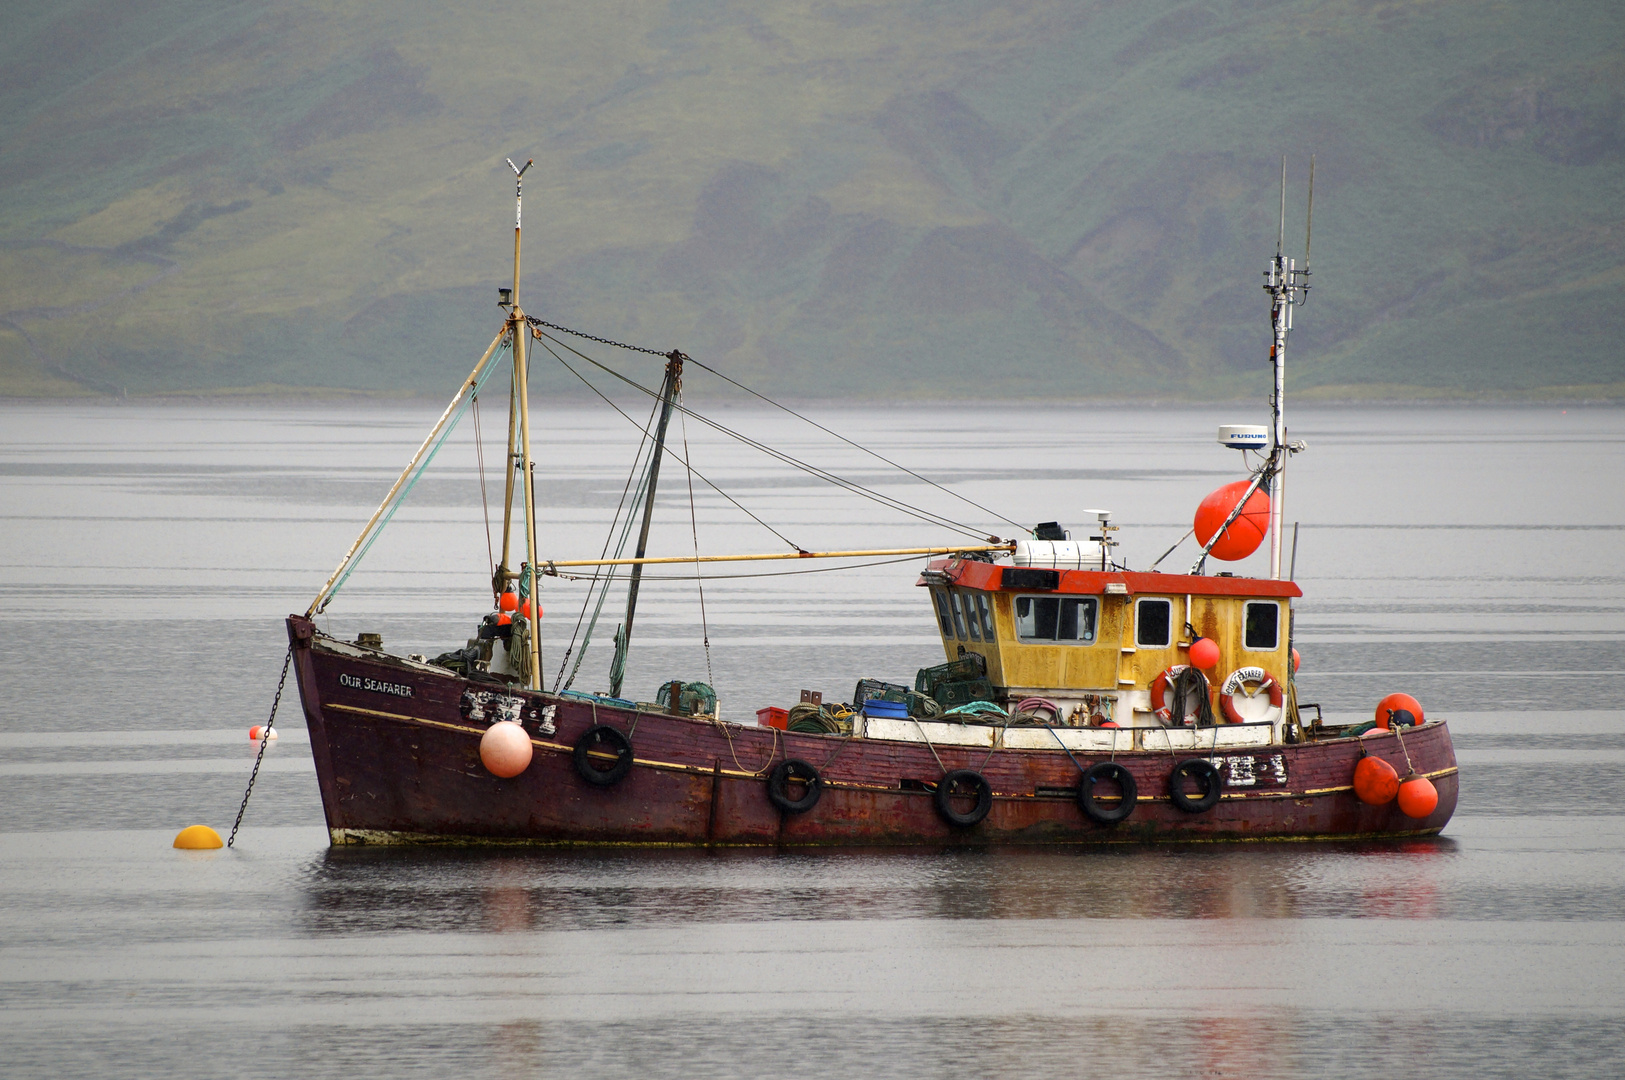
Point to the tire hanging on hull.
(1101, 813)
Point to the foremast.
(519, 459)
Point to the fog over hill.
(842, 199)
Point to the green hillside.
(828, 199)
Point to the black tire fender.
(783, 774)
(964, 779)
(1103, 813)
(595, 738)
(1205, 774)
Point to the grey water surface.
(1472, 557)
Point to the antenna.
(1309, 226)
(1281, 237)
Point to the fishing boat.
(1077, 701)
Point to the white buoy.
(505, 749)
(257, 732)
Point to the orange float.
(1296, 660)
(1418, 797)
(1395, 702)
(1375, 782)
(1245, 533)
(505, 749)
(1204, 653)
(508, 602)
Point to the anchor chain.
(265, 740)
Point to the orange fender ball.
(1245, 533)
(504, 619)
(1375, 782)
(507, 601)
(505, 749)
(1418, 797)
(1204, 653)
(1296, 660)
(1398, 701)
(524, 609)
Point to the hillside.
(827, 199)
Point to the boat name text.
(356, 682)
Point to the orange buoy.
(505, 749)
(1109, 723)
(1296, 660)
(1395, 702)
(257, 732)
(524, 609)
(1245, 533)
(504, 619)
(1418, 797)
(1204, 653)
(198, 838)
(1375, 781)
(508, 601)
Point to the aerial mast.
(1288, 286)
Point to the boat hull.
(396, 749)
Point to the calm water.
(147, 555)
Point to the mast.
(668, 393)
(1288, 287)
(520, 329)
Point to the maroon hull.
(397, 759)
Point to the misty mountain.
(823, 199)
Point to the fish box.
(773, 716)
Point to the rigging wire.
(479, 453)
(858, 446)
(636, 470)
(927, 516)
(708, 483)
(734, 577)
(694, 526)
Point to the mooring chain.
(534, 321)
(265, 740)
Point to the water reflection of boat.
(1075, 704)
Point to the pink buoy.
(505, 749)
(1204, 653)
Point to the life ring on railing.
(587, 748)
(798, 771)
(1159, 692)
(1238, 679)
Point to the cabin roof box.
(994, 577)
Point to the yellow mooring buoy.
(198, 838)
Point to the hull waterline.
(396, 750)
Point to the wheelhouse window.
(984, 614)
(959, 616)
(1262, 631)
(944, 617)
(1153, 623)
(1069, 619)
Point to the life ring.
(1233, 685)
(1159, 692)
(978, 785)
(778, 785)
(1098, 812)
(1205, 774)
(587, 746)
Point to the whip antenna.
(1309, 225)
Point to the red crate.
(773, 716)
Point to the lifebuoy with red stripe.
(1159, 693)
(1236, 684)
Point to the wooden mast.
(668, 395)
(520, 329)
